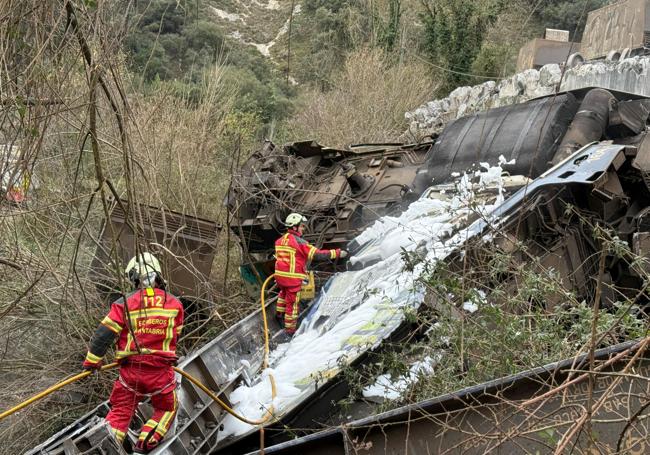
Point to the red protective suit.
(156, 320)
(292, 254)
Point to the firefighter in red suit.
(146, 352)
(292, 255)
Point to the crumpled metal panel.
(339, 190)
(491, 416)
(587, 166)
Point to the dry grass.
(367, 101)
(174, 152)
(180, 150)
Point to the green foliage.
(454, 33)
(469, 38)
(517, 324)
(320, 40)
(203, 35)
(327, 31)
(567, 15)
(269, 100)
(491, 59)
(149, 59)
(389, 33)
(496, 342)
(240, 132)
(517, 328)
(166, 43)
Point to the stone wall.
(431, 118)
(629, 75)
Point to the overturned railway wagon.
(341, 191)
(583, 155)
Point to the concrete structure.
(630, 75)
(554, 34)
(616, 28)
(539, 52)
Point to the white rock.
(550, 74)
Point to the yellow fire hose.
(189, 377)
(54, 388)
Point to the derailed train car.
(596, 188)
(343, 191)
(340, 191)
(586, 149)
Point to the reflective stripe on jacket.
(293, 253)
(156, 320)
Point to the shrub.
(366, 103)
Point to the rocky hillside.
(257, 23)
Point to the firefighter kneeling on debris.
(147, 328)
(292, 255)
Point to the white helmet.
(144, 269)
(294, 219)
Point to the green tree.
(321, 39)
(148, 57)
(390, 29)
(454, 33)
(204, 35)
(567, 15)
(267, 100)
(164, 16)
(500, 48)
(166, 44)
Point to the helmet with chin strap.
(144, 269)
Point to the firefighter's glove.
(343, 254)
(93, 367)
